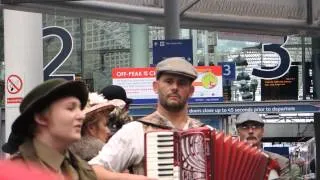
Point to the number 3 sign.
(283, 66)
(65, 51)
(228, 70)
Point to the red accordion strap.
(272, 165)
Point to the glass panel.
(102, 45)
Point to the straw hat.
(97, 103)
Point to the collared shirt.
(28, 154)
(126, 147)
(169, 123)
(54, 160)
(49, 157)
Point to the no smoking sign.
(14, 84)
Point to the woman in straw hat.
(50, 121)
(95, 132)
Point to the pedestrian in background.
(119, 116)
(298, 169)
(95, 132)
(250, 128)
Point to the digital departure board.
(284, 88)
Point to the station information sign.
(138, 84)
(163, 49)
(237, 108)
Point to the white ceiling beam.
(155, 16)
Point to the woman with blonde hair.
(95, 132)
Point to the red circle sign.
(14, 84)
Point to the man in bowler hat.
(50, 120)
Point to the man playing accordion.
(125, 150)
(129, 147)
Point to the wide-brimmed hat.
(37, 100)
(13, 143)
(176, 65)
(43, 95)
(97, 103)
(115, 92)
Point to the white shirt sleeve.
(124, 149)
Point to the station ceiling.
(276, 17)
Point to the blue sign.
(284, 151)
(163, 49)
(259, 109)
(215, 123)
(228, 70)
(191, 100)
(236, 108)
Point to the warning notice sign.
(14, 86)
(15, 100)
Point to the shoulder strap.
(194, 123)
(147, 123)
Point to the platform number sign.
(281, 69)
(65, 51)
(228, 70)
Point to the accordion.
(204, 154)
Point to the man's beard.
(172, 107)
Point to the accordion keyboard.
(204, 154)
(160, 156)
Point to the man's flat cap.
(249, 116)
(176, 65)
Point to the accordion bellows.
(203, 154)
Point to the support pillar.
(172, 19)
(23, 55)
(139, 35)
(194, 37)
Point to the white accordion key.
(160, 155)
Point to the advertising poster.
(138, 84)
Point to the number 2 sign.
(65, 51)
